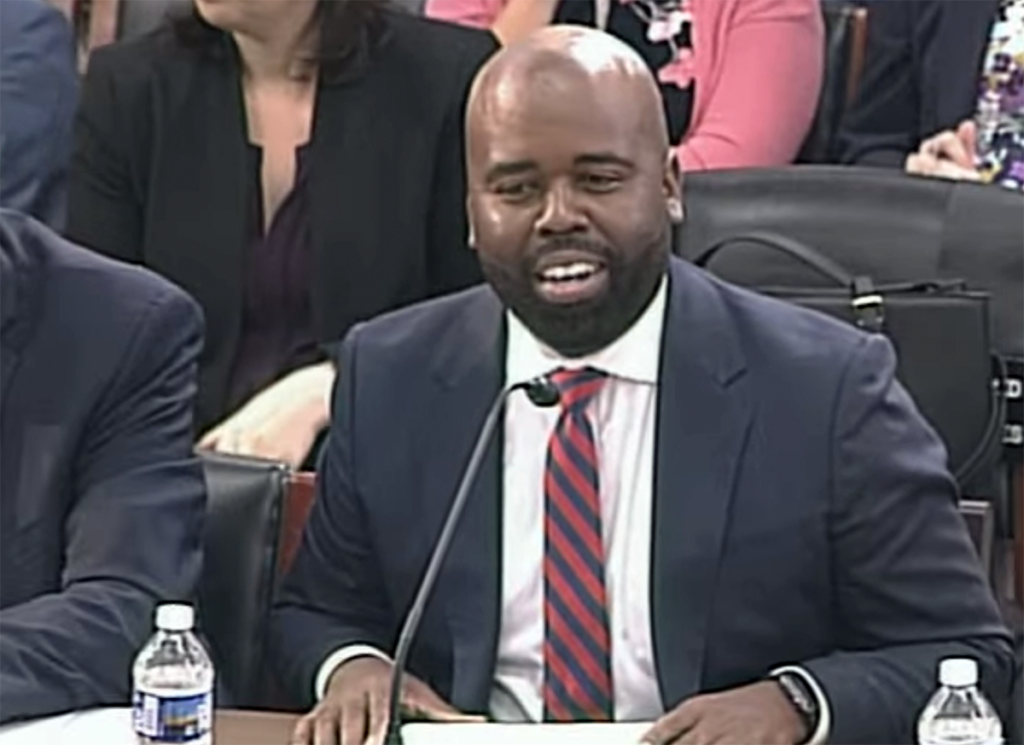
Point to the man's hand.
(354, 709)
(281, 422)
(758, 713)
(948, 154)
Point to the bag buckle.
(868, 306)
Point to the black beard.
(583, 328)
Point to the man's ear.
(471, 236)
(673, 187)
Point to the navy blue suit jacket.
(38, 95)
(101, 497)
(802, 511)
(921, 76)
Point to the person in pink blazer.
(740, 78)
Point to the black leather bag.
(941, 333)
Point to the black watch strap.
(800, 695)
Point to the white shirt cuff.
(339, 657)
(821, 732)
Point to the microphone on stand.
(541, 392)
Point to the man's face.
(570, 197)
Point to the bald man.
(733, 524)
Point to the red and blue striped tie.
(577, 662)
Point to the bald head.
(572, 187)
(560, 60)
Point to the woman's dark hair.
(349, 31)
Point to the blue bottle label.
(164, 719)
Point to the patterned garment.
(662, 32)
(577, 648)
(1000, 115)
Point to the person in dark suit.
(38, 93)
(735, 524)
(927, 64)
(101, 496)
(296, 166)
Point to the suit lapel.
(341, 141)
(465, 381)
(359, 142)
(967, 26)
(22, 285)
(206, 223)
(9, 358)
(9, 292)
(703, 419)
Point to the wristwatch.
(802, 698)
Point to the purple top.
(277, 331)
(1000, 113)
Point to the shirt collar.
(634, 356)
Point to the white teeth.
(576, 270)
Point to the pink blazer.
(758, 70)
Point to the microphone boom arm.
(440, 552)
(543, 393)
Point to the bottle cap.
(958, 672)
(175, 617)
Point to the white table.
(94, 727)
(523, 734)
(113, 727)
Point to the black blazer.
(921, 74)
(160, 177)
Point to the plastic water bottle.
(958, 714)
(172, 700)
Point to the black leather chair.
(236, 588)
(845, 39)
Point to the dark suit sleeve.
(883, 125)
(132, 535)
(38, 93)
(451, 263)
(104, 208)
(910, 589)
(334, 594)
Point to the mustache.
(576, 243)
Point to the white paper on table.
(95, 727)
(617, 733)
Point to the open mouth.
(570, 277)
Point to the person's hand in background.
(354, 709)
(281, 422)
(949, 154)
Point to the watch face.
(800, 695)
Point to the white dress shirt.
(623, 415)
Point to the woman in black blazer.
(296, 165)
